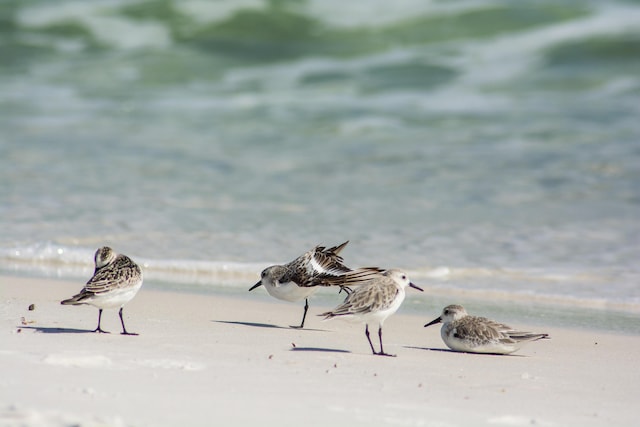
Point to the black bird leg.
(99, 329)
(382, 353)
(366, 332)
(124, 330)
(304, 315)
(347, 290)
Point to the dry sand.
(213, 360)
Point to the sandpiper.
(297, 280)
(376, 295)
(115, 281)
(472, 334)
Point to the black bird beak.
(255, 286)
(434, 321)
(416, 287)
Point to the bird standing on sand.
(472, 334)
(115, 281)
(297, 280)
(376, 295)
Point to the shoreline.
(198, 278)
(202, 359)
(538, 310)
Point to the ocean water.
(491, 148)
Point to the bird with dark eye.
(473, 334)
(300, 278)
(376, 295)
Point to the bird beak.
(255, 286)
(434, 321)
(416, 287)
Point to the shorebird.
(297, 280)
(115, 281)
(376, 295)
(472, 334)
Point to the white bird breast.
(289, 291)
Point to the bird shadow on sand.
(446, 350)
(52, 330)
(320, 349)
(266, 325)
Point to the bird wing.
(525, 336)
(375, 296)
(327, 261)
(320, 260)
(353, 278)
(480, 329)
(337, 249)
(121, 273)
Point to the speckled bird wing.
(121, 273)
(374, 296)
(327, 261)
(351, 279)
(525, 336)
(481, 330)
(317, 263)
(337, 249)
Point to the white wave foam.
(207, 273)
(377, 13)
(206, 12)
(568, 287)
(49, 252)
(113, 30)
(64, 261)
(507, 57)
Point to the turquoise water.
(485, 146)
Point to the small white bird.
(472, 334)
(297, 280)
(115, 281)
(376, 295)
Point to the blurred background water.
(488, 147)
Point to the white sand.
(209, 360)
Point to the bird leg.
(347, 290)
(99, 329)
(382, 353)
(124, 330)
(304, 315)
(366, 332)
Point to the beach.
(204, 359)
(488, 149)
